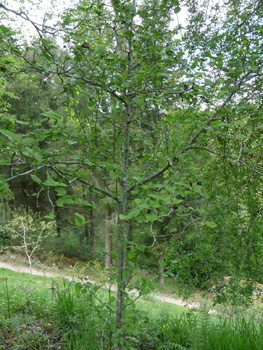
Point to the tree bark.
(123, 230)
(122, 243)
(57, 214)
(4, 210)
(160, 267)
(91, 233)
(24, 195)
(108, 242)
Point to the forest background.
(130, 141)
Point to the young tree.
(150, 108)
(30, 230)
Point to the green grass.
(154, 308)
(75, 319)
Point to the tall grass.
(82, 317)
(197, 330)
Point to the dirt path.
(35, 271)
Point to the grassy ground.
(33, 317)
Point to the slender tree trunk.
(108, 242)
(24, 194)
(123, 225)
(130, 234)
(86, 231)
(160, 267)
(123, 229)
(57, 214)
(35, 189)
(4, 211)
(91, 233)
(122, 243)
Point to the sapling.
(30, 229)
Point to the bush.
(70, 245)
(5, 237)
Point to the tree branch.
(63, 175)
(25, 173)
(237, 159)
(199, 132)
(25, 17)
(150, 177)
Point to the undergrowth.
(36, 314)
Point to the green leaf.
(101, 50)
(114, 254)
(177, 9)
(36, 179)
(209, 82)
(21, 122)
(51, 183)
(79, 219)
(177, 201)
(50, 216)
(211, 224)
(197, 188)
(113, 176)
(240, 137)
(68, 201)
(52, 115)
(216, 122)
(131, 8)
(238, 122)
(161, 263)
(139, 100)
(61, 191)
(132, 253)
(12, 136)
(122, 217)
(47, 56)
(46, 42)
(78, 288)
(151, 217)
(134, 213)
(138, 179)
(85, 112)
(28, 141)
(60, 202)
(87, 205)
(132, 264)
(227, 125)
(5, 29)
(145, 291)
(4, 161)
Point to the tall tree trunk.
(4, 210)
(108, 242)
(122, 243)
(57, 214)
(160, 267)
(91, 234)
(123, 229)
(130, 234)
(24, 195)
(35, 189)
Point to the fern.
(201, 330)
